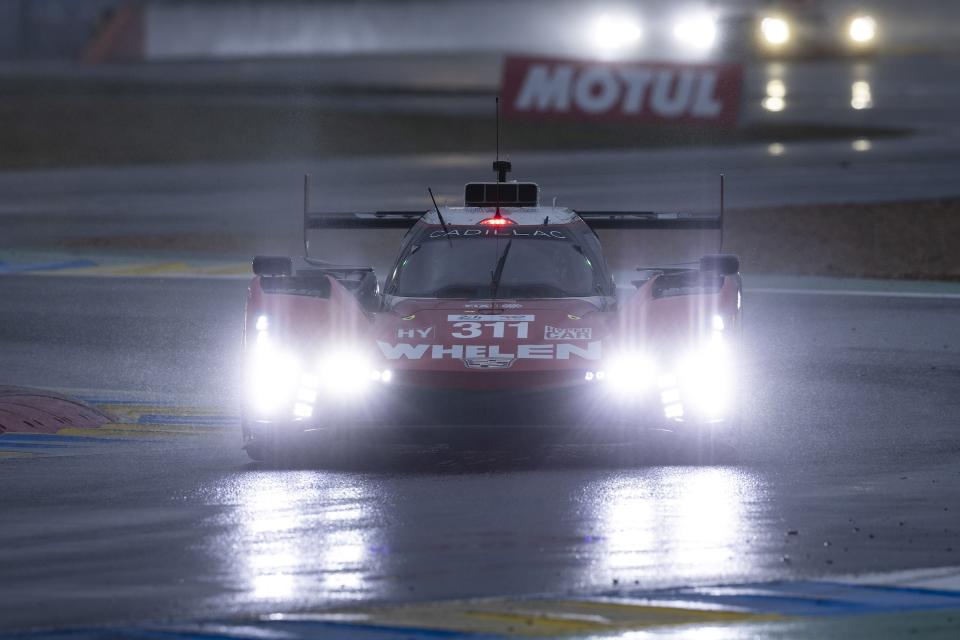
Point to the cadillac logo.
(494, 362)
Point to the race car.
(499, 320)
(794, 29)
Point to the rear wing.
(361, 220)
(657, 219)
(352, 219)
(650, 220)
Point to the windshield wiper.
(498, 271)
(443, 223)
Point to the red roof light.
(497, 221)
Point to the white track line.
(857, 293)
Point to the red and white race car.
(498, 318)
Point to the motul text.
(643, 92)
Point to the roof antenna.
(500, 167)
(721, 212)
(306, 214)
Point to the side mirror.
(725, 264)
(368, 293)
(272, 266)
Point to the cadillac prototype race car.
(498, 318)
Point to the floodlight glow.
(776, 94)
(774, 104)
(861, 96)
(263, 323)
(862, 30)
(776, 149)
(696, 31)
(717, 323)
(776, 88)
(775, 31)
(610, 33)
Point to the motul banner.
(649, 93)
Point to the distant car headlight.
(775, 31)
(862, 30)
(696, 31)
(612, 33)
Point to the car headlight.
(272, 376)
(862, 30)
(627, 374)
(705, 377)
(346, 373)
(775, 31)
(696, 31)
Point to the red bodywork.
(477, 355)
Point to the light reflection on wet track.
(296, 533)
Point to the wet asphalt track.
(851, 437)
(850, 440)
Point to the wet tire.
(259, 452)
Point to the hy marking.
(414, 333)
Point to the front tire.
(260, 451)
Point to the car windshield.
(536, 267)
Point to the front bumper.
(584, 411)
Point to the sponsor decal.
(475, 352)
(550, 234)
(653, 93)
(567, 333)
(414, 333)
